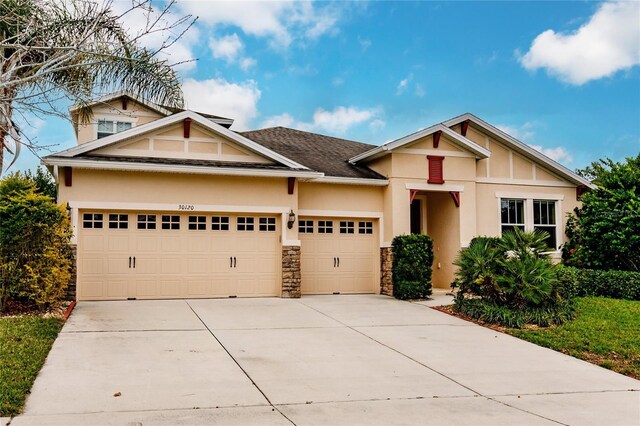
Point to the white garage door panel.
(358, 254)
(177, 263)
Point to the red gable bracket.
(187, 127)
(291, 184)
(456, 197)
(412, 195)
(464, 127)
(580, 190)
(436, 138)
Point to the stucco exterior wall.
(443, 226)
(338, 198)
(136, 113)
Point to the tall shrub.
(605, 232)
(412, 259)
(35, 261)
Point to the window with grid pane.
(544, 219)
(197, 223)
(146, 221)
(365, 227)
(92, 220)
(325, 227)
(170, 222)
(305, 227)
(220, 223)
(267, 224)
(108, 128)
(118, 221)
(347, 227)
(245, 224)
(512, 214)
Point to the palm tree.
(75, 50)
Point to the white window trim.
(528, 212)
(114, 119)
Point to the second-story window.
(108, 128)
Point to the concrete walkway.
(317, 360)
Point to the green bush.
(35, 256)
(613, 284)
(412, 259)
(510, 281)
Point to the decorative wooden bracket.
(464, 128)
(187, 127)
(456, 197)
(436, 138)
(412, 195)
(291, 184)
(580, 190)
(68, 176)
(124, 103)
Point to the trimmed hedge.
(590, 282)
(515, 318)
(412, 259)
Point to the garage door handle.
(129, 261)
(230, 261)
(235, 261)
(334, 262)
(134, 262)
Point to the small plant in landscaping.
(510, 281)
(412, 259)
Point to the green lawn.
(24, 344)
(605, 332)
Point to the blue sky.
(562, 76)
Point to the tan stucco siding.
(443, 226)
(417, 166)
(169, 142)
(381, 166)
(136, 113)
(137, 188)
(336, 198)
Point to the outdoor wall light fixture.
(292, 219)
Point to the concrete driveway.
(316, 360)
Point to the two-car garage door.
(157, 255)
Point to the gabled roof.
(458, 139)
(521, 148)
(176, 118)
(322, 153)
(160, 109)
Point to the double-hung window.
(529, 214)
(108, 127)
(544, 219)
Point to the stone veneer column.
(71, 286)
(386, 272)
(291, 276)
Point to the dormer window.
(108, 128)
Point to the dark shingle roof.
(321, 153)
(176, 161)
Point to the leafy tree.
(75, 50)
(35, 261)
(605, 232)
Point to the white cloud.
(419, 91)
(558, 154)
(220, 97)
(247, 63)
(281, 22)
(337, 81)
(337, 121)
(227, 47)
(364, 43)
(608, 43)
(404, 83)
(137, 22)
(524, 132)
(283, 120)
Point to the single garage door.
(155, 255)
(339, 255)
